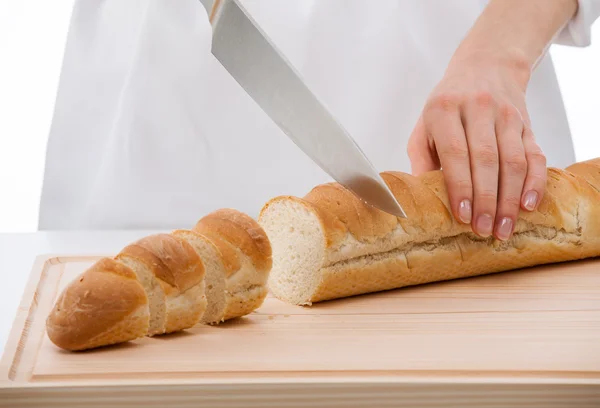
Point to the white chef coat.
(150, 131)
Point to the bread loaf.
(329, 244)
(164, 283)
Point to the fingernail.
(530, 200)
(505, 229)
(484, 225)
(464, 211)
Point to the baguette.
(165, 283)
(329, 244)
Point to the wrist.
(511, 61)
(513, 35)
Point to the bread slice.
(165, 283)
(237, 256)
(329, 244)
(105, 305)
(153, 288)
(215, 274)
(245, 250)
(172, 273)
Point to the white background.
(32, 39)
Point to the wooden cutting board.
(524, 337)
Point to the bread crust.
(104, 305)
(171, 259)
(367, 250)
(413, 196)
(241, 231)
(558, 209)
(245, 251)
(588, 170)
(361, 220)
(180, 273)
(227, 253)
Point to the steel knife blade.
(251, 58)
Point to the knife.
(250, 57)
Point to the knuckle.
(509, 113)
(510, 202)
(516, 163)
(445, 102)
(461, 185)
(537, 156)
(482, 99)
(486, 155)
(455, 150)
(487, 197)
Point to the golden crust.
(589, 170)
(588, 175)
(434, 180)
(227, 252)
(91, 306)
(224, 250)
(361, 220)
(563, 189)
(171, 259)
(425, 200)
(241, 231)
(414, 197)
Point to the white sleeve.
(577, 32)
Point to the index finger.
(444, 123)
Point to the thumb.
(421, 151)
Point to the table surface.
(18, 252)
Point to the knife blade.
(251, 58)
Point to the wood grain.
(525, 338)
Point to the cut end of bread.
(184, 310)
(294, 227)
(172, 273)
(242, 232)
(103, 306)
(214, 285)
(238, 257)
(153, 289)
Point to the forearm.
(516, 33)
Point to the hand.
(475, 127)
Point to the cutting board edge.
(299, 394)
(16, 340)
